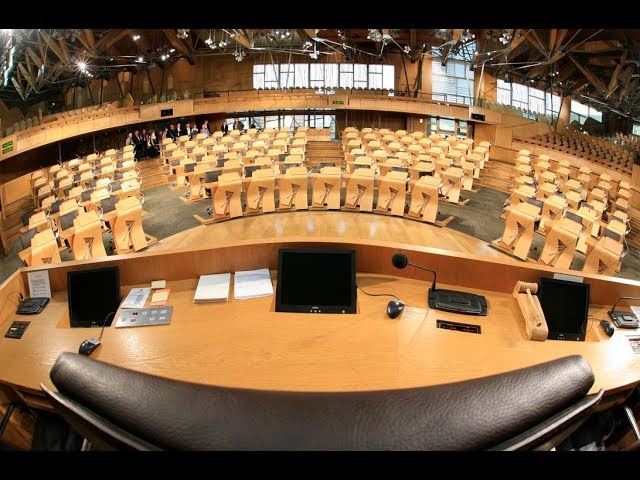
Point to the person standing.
(223, 127)
(205, 129)
(179, 131)
(129, 140)
(187, 128)
(172, 132)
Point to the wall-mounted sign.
(7, 147)
(338, 102)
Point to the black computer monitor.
(316, 281)
(92, 295)
(565, 306)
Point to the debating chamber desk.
(245, 343)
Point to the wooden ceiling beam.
(53, 45)
(242, 39)
(176, 42)
(28, 77)
(562, 33)
(534, 40)
(65, 51)
(595, 81)
(110, 38)
(88, 34)
(613, 83)
(36, 59)
(598, 46)
(552, 39)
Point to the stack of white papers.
(213, 288)
(252, 284)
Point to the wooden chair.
(293, 189)
(561, 241)
(128, 234)
(519, 228)
(227, 202)
(392, 191)
(260, 192)
(359, 193)
(424, 198)
(326, 188)
(87, 242)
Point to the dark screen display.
(316, 280)
(566, 307)
(92, 295)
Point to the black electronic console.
(458, 302)
(32, 306)
(446, 300)
(624, 319)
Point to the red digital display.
(459, 327)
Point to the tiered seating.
(595, 149)
(575, 208)
(82, 195)
(271, 165)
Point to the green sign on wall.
(7, 147)
(338, 102)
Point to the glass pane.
(636, 129)
(577, 107)
(388, 77)
(331, 75)
(301, 75)
(447, 125)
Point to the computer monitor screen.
(92, 295)
(565, 306)
(316, 281)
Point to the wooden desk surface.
(247, 344)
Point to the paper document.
(213, 288)
(136, 298)
(160, 297)
(39, 285)
(252, 284)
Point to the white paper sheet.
(39, 285)
(136, 298)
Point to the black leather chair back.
(119, 408)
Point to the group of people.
(145, 145)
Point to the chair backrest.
(66, 220)
(123, 409)
(26, 237)
(109, 204)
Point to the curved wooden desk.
(246, 344)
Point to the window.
(636, 129)
(258, 76)
(375, 76)
(324, 75)
(346, 75)
(504, 92)
(580, 112)
(360, 78)
(286, 75)
(271, 76)
(301, 75)
(447, 125)
(453, 82)
(536, 100)
(519, 96)
(552, 104)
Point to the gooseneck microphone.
(447, 300)
(623, 319)
(400, 260)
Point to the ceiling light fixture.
(183, 33)
(136, 38)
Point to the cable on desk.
(377, 294)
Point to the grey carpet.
(480, 218)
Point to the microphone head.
(399, 260)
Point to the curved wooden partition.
(245, 343)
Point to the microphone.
(623, 319)
(400, 261)
(447, 300)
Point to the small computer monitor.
(316, 281)
(92, 295)
(565, 305)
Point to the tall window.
(636, 129)
(580, 112)
(346, 75)
(528, 98)
(323, 75)
(453, 82)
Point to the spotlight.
(136, 38)
(163, 57)
(172, 50)
(183, 33)
(82, 66)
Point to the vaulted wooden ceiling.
(596, 66)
